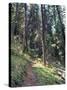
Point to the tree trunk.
(44, 29)
(25, 32)
(62, 30)
(16, 21)
(62, 26)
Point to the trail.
(30, 78)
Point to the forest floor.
(38, 74)
(27, 70)
(30, 78)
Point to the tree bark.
(16, 21)
(44, 29)
(62, 29)
(62, 26)
(25, 35)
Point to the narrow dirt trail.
(30, 79)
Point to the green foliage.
(47, 76)
(18, 69)
(18, 64)
(31, 40)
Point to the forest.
(37, 44)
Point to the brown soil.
(30, 79)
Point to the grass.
(19, 62)
(18, 65)
(46, 76)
